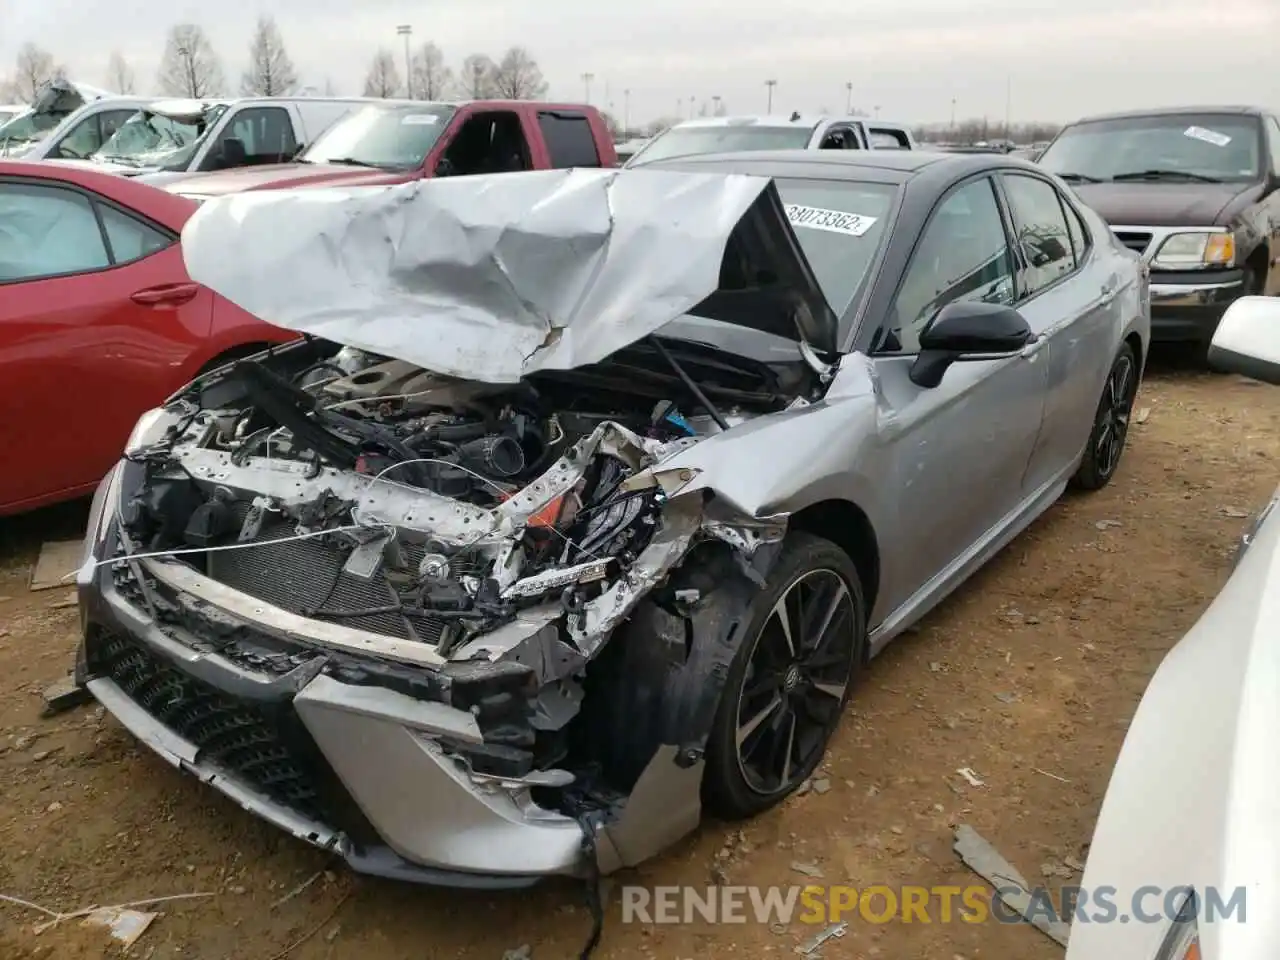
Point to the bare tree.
(190, 68)
(120, 74)
(383, 79)
(517, 76)
(270, 72)
(430, 75)
(476, 79)
(34, 69)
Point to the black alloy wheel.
(790, 681)
(1111, 423)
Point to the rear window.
(695, 141)
(840, 226)
(885, 139)
(570, 142)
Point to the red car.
(99, 322)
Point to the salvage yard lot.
(1028, 676)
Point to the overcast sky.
(1060, 58)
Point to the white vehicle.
(796, 132)
(248, 133)
(81, 134)
(1193, 803)
(55, 101)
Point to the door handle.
(1035, 346)
(170, 293)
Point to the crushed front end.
(373, 605)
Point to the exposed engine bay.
(450, 522)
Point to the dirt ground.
(1028, 675)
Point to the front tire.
(1110, 423)
(803, 646)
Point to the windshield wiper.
(351, 162)
(1165, 175)
(1079, 178)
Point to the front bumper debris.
(377, 775)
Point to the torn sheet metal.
(1010, 885)
(494, 277)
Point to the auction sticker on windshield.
(419, 119)
(833, 221)
(1208, 136)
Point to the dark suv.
(1195, 192)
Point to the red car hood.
(279, 176)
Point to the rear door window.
(1043, 238)
(570, 142)
(887, 138)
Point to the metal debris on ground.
(971, 776)
(1010, 886)
(64, 695)
(1108, 524)
(808, 869)
(1051, 776)
(1141, 415)
(125, 925)
(57, 557)
(813, 945)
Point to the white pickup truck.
(774, 132)
(137, 135)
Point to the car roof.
(780, 120)
(883, 166)
(1173, 112)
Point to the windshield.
(30, 128)
(840, 225)
(390, 137)
(7, 115)
(148, 138)
(1224, 147)
(695, 141)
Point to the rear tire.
(1110, 423)
(789, 681)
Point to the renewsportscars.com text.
(916, 904)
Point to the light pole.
(953, 113)
(586, 85)
(406, 31)
(770, 84)
(691, 102)
(626, 109)
(848, 98)
(716, 100)
(1008, 105)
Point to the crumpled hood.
(492, 278)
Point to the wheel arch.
(846, 525)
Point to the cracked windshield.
(156, 139)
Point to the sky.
(1034, 59)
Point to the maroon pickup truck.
(395, 141)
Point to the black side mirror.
(234, 153)
(967, 330)
(445, 167)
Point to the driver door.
(957, 451)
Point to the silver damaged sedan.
(586, 496)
